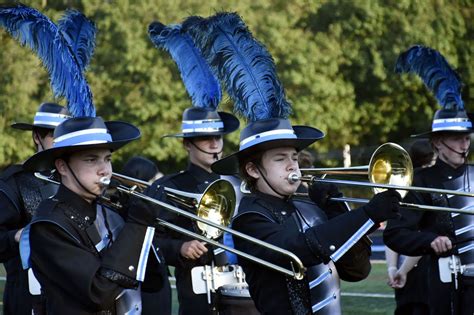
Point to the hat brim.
(231, 123)
(305, 136)
(121, 132)
(26, 126)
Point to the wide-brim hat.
(82, 133)
(201, 122)
(452, 121)
(48, 116)
(264, 135)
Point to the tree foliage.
(335, 59)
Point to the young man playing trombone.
(88, 258)
(447, 238)
(267, 158)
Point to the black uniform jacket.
(76, 278)
(20, 194)
(194, 180)
(257, 217)
(412, 233)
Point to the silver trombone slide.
(407, 204)
(294, 177)
(298, 273)
(293, 273)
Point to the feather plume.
(33, 29)
(245, 67)
(201, 84)
(79, 32)
(435, 72)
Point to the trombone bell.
(217, 204)
(390, 164)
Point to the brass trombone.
(209, 204)
(390, 167)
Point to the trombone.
(212, 202)
(390, 167)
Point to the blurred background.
(335, 59)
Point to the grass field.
(375, 284)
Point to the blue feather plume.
(33, 29)
(245, 67)
(435, 72)
(79, 32)
(201, 84)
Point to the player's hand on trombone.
(441, 245)
(383, 206)
(193, 249)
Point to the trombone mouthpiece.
(104, 181)
(293, 178)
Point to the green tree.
(335, 59)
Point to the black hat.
(445, 84)
(453, 121)
(199, 122)
(264, 135)
(81, 133)
(48, 116)
(202, 119)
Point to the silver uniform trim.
(352, 240)
(466, 248)
(316, 307)
(320, 279)
(464, 229)
(147, 244)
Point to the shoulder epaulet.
(169, 177)
(11, 171)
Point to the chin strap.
(39, 140)
(463, 154)
(271, 187)
(79, 182)
(214, 154)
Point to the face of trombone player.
(452, 148)
(81, 172)
(203, 151)
(275, 166)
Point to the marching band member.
(203, 128)
(88, 258)
(268, 155)
(21, 191)
(446, 237)
(20, 194)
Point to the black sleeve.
(286, 236)
(156, 271)
(355, 264)
(71, 266)
(331, 238)
(10, 223)
(404, 236)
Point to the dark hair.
(255, 158)
(42, 132)
(305, 159)
(140, 167)
(421, 153)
